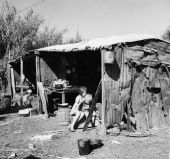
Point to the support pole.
(22, 79)
(8, 72)
(9, 80)
(103, 93)
(37, 65)
(13, 81)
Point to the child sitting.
(80, 107)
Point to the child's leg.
(75, 119)
(86, 113)
(81, 115)
(93, 117)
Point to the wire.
(28, 7)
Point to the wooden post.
(9, 80)
(12, 81)
(21, 78)
(8, 72)
(63, 98)
(103, 93)
(42, 95)
(37, 65)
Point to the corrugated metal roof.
(99, 43)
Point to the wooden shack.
(134, 71)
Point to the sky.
(102, 18)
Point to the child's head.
(88, 98)
(83, 91)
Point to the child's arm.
(78, 102)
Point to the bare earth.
(39, 138)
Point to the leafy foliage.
(21, 34)
(16, 35)
(48, 36)
(166, 34)
(75, 39)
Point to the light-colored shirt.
(78, 101)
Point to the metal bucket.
(84, 146)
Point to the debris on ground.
(116, 142)
(13, 155)
(113, 131)
(41, 137)
(31, 146)
(49, 135)
(138, 134)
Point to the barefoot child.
(77, 110)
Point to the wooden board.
(13, 81)
(42, 96)
(103, 93)
(21, 79)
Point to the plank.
(103, 93)
(13, 81)
(37, 58)
(42, 96)
(37, 63)
(21, 79)
(8, 71)
(9, 80)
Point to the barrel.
(84, 146)
(63, 116)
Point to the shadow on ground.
(95, 144)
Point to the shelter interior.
(29, 72)
(79, 68)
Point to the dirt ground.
(40, 138)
